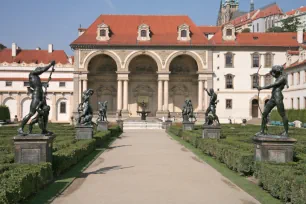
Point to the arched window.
(268, 60)
(229, 81)
(183, 33)
(229, 60)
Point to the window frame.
(184, 32)
(26, 83)
(143, 31)
(252, 57)
(270, 78)
(65, 107)
(102, 31)
(59, 84)
(271, 60)
(232, 60)
(8, 83)
(229, 30)
(232, 81)
(258, 83)
(231, 104)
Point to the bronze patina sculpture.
(38, 103)
(210, 114)
(143, 113)
(187, 111)
(85, 109)
(102, 116)
(276, 99)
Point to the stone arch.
(11, 102)
(255, 97)
(151, 54)
(111, 54)
(194, 55)
(107, 93)
(59, 115)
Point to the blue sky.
(33, 23)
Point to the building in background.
(15, 66)
(299, 13)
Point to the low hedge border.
(17, 182)
(286, 182)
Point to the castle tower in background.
(226, 11)
(252, 6)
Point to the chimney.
(50, 48)
(14, 49)
(38, 48)
(300, 37)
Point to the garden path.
(148, 167)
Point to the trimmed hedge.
(4, 113)
(292, 114)
(22, 181)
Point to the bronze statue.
(85, 109)
(187, 111)
(210, 114)
(276, 99)
(102, 111)
(38, 103)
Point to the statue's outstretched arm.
(275, 84)
(40, 70)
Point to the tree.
(2, 47)
(290, 24)
(275, 30)
(246, 30)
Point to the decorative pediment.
(144, 32)
(229, 32)
(103, 32)
(183, 32)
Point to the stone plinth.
(120, 124)
(188, 126)
(167, 124)
(273, 148)
(102, 126)
(211, 132)
(33, 148)
(84, 132)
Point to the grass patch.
(251, 188)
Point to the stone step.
(141, 125)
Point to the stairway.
(136, 123)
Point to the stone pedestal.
(273, 148)
(188, 126)
(120, 124)
(211, 132)
(167, 124)
(84, 132)
(33, 148)
(125, 114)
(102, 126)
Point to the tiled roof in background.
(292, 12)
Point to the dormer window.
(229, 32)
(143, 33)
(103, 32)
(183, 32)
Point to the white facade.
(299, 13)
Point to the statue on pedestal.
(102, 111)
(276, 99)
(39, 102)
(187, 111)
(85, 110)
(210, 114)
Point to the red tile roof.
(33, 56)
(296, 64)
(124, 30)
(244, 19)
(258, 39)
(293, 52)
(301, 9)
(209, 29)
(273, 9)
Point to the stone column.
(160, 95)
(205, 95)
(1, 98)
(54, 107)
(200, 99)
(166, 95)
(19, 105)
(125, 95)
(119, 96)
(85, 86)
(80, 91)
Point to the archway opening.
(142, 84)
(183, 83)
(102, 78)
(255, 106)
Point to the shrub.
(4, 113)
(292, 114)
(22, 181)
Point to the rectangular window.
(292, 105)
(8, 83)
(229, 60)
(298, 103)
(143, 33)
(229, 82)
(63, 107)
(257, 27)
(268, 60)
(102, 33)
(26, 83)
(229, 32)
(62, 84)
(255, 60)
(255, 81)
(183, 33)
(228, 103)
(268, 79)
